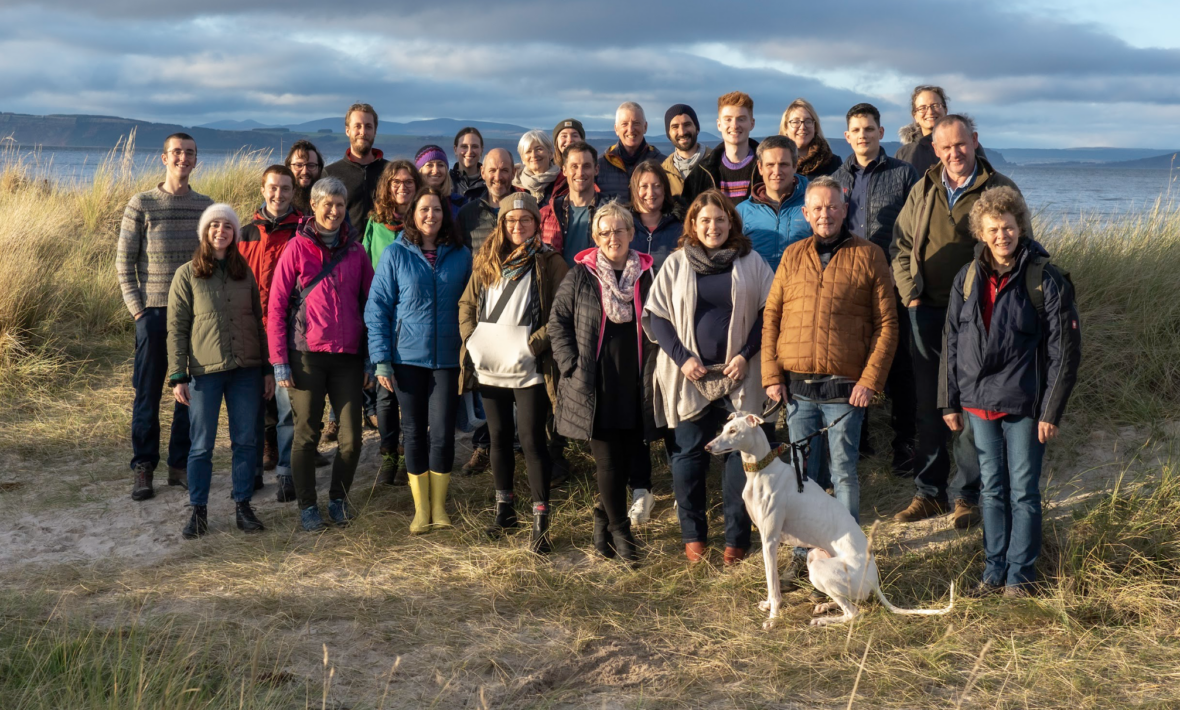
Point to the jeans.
(1011, 497)
(805, 417)
(389, 421)
(532, 406)
(690, 465)
(428, 400)
(336, 377)
(241, 388)
(284, 427)
(931, 463)
(148, 375)
(620, 456)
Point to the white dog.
(840, 564)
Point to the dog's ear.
(754, 420)
(732, 416)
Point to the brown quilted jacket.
(836, 321)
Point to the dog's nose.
(709, 447)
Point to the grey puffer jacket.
(889, 186)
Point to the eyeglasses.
(513, 222)
(929, 107)
(796, 123)
(304, 166)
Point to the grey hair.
(824, 182)
(955, 118)
(775, 143)
(328, 187)
(918, 90)
(613, 209)
(630, 106)
(528, 140)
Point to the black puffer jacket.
(889, 186)
(575, 328)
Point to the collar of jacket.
(289, 221)
(842, 240)
(612, 154)
(933, 176)
(758, 193)
(589, 259)
(853, 166)
(712, 161)
(441, 251)
(375, 152)
(307, 229)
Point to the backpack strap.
(969, 281)
(1034, 277)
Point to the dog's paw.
(824, 608)
(769, 624)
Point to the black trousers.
(337, 378)
(621, 456)
(532, 409)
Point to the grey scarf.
(685, 165)
(536, 184)
(704, 263)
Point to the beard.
(361, 147)
(690, 140)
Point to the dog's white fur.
(839, 564)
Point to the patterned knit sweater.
(158, 235)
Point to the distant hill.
(1079, 156)
(1167, 161)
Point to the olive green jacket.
(214, 324)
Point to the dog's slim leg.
(774, 594)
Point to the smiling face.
(778, 170)
(307, 168)
(824, 210)
(711, 227)
(580, 169)
(434, 174)
(683, 132)
(180, 157)
(800, 127)
(735, 123)
(565, 137)
(428, 216)
(361, 129)
(402, 189)
(469, 150)
(651, 194)
(497, 173)
(276, 193)
(536, 158)
(520, 226)
(613, 236)
(630, 127)
(329, 212)
(864, 135)
(955, 146)
(1001, 235)
(928, 108)
(220, 234)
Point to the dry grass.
(451, 620)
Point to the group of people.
(620, 299)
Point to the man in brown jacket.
(828, 335)
(932, 241)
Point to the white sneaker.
(642, 501)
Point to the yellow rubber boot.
(420, 488)
(438, 499)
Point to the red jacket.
(261, 245)
(331, 320)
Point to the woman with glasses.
(503, 316)
(800, 123)
(927, 105)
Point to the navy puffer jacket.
(1027, 363)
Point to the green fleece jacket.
(932, 242)
(214, 324)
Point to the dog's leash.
(801, 449)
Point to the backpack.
(1033, 281)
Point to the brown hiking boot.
(478, 463)
(920, 509)
(694, 551)
(141, 488)
(734, 555)
(178, 477)
(966, 515)
(270, 451)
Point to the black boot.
(541, 543)
(505, 514)
(141, 487)
(561, 466)
(247, 520)
(286, 491)
(624, 541)
(603, 541)
(198, 523)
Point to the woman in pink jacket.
(316, 332)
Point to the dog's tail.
(920, 612)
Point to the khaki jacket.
(214, 324)
(841, 320)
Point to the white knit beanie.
(219, 211)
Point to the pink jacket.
(331, 320)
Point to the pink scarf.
(617, 295)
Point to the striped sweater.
(158, 235)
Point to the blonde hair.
(806, 106)
(485, 269)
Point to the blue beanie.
(679, 110)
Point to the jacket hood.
(292, 217)
(588, 258)
(758, 193)
(307, 229)
(612, 153)
(909, 133)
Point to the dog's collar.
(765, 460)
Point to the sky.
(1050, 73)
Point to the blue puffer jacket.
(771, 230)
(1027, 363)
(661, 242)
(413, 309)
